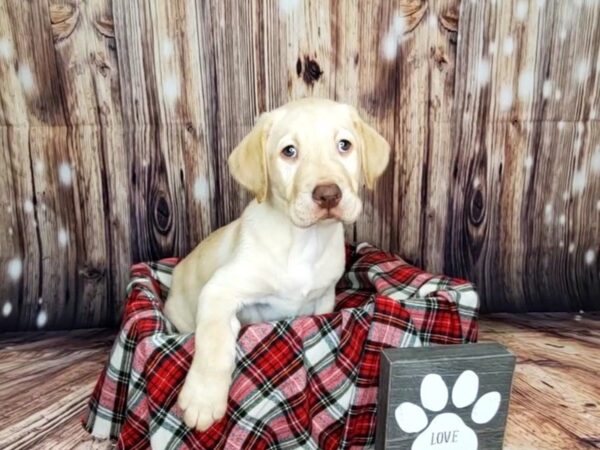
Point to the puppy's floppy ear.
(248, 161)
(375, 152)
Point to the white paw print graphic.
(447, 431)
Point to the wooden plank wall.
(117, 116)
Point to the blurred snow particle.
(579, 181)
(288, 6)
(64, 174)
(6, 48)
(28, 206)
(42, 319)
(562, 35)
(595, 161)
(548, 214)
(521, 10)
(558, 95)
(15, 268)
(582, 70)
(63, 237)
(509, 46)
(547, 89)
(483, 72)
(506, 97)
(6, 308)
(526, 80)
(590, 257)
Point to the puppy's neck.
(276, 224)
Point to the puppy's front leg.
(203, 397)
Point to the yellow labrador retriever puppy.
(304, 162)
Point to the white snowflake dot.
(6, 48)
(571, 247)
(598, 205)
(28, 206)
(6, 308)
(595, 160)
(521, 10)
(288, 6)
(579, 181)
(558, 94)
(590, 257)
(562, 35)
(548, 213)
(25, 77)
(167, 48)
(506, 98)
(399, 25)
(526, 80)
(561, 244)
(63, 237)
(171, 88)
(65, 174)
(483, 72)
(201, 189)
(433, 21)
(528, 163)
(565, 195)
(560, 125)
(389, 46)
(509, 46)
(39, 167)
(42, 318)
(492, 47)
(547, 89)
(562, 219)
(15, 268)
(577, 145)
(582, 70)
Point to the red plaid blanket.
(308, 383)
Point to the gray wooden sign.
(450, 397)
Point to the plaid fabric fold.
(304, 383)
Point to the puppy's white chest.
(300, 280)
(308, 268)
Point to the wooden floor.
(46, 378)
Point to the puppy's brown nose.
(327, 196)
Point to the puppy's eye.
(344, 145)
(289, 151)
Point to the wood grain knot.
(439, 57)
(449, 19)
(310, 71)
(63, 20)
(105, 27)
(92, 273)
(99, 61)
(477, 208)
(413, 12)
(162, 214)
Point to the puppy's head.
(309, 158)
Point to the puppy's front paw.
(203, 399)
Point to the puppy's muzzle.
(327, 196)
